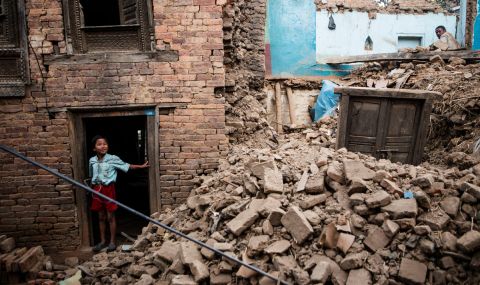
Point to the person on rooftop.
(446, 41)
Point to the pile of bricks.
(312, 215)
(19, 265)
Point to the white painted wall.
(352, 29)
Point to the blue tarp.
(327, 101)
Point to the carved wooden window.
(110, 25)
(13, 49)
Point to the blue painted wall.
(476, 29)
(291, 36)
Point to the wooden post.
(278, 104)
(291, 106)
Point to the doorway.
(132, 135)
(126, 138)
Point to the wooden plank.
(342, 122)
(278, 104)
(388, 93)
(77, 142)
(112, 57)
(403, 56)
(133, 107)
(291, 106)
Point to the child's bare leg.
(102, 217)
(113, 226)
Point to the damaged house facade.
(164, 81)
(149, 78)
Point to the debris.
(296, 224)
(412, 271)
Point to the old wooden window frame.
(123, 37)
(14, 72)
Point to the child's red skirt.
(98, 203)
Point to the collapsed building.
(168, 81)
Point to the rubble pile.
(455, 120)
(18, 265)
(311, 215)
(389, 6)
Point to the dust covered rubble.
(311, 215)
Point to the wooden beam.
(388, 93)
(404, 56)
(112, 57)
(278, 104)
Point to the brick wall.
(38, 208)
(244, 34)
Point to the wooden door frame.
(77, 140)
(424, 98)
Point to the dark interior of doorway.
(126, 137)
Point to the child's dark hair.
(96, 138)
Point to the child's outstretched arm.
(139, 166)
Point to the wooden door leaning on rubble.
(383, 128)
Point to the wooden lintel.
(404, 56)
(111, 57)
(389, 92)
(103, 108)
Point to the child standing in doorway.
(103, 172)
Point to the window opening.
(100, 13)
(110, 25)
(409, 41)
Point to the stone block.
(278, 247)
(220, 279)
(402, 208)
(258, 169)
(199, 270)
(356, 169)
(182, 280)
(7, 245)
(437, 220)
(242, 221)
(390, 228)
(312, 201)
(168, 251)
(357, 185)
(391, 186)
(189, 253)
(312, 217)
(30, 258)
(273, 181)
(353, 260)
(315, 184)
(376, 239)
(380, 175)
(256, 244)
(450, 205)
(359, 276)
(412, 271)
(469, 242)
(345, 241)
(297, 224)
(471, 189)
(321, 272)
(335, 172)
(378, 199)
(424, 181)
